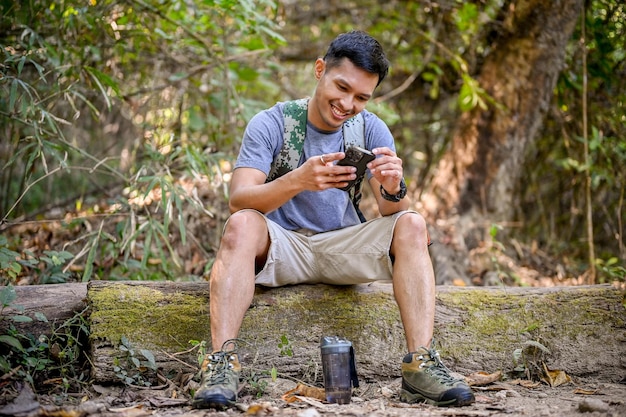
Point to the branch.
(28, 187)
(398, 90)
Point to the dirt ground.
(584, 397)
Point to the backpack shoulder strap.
(354, 135)
(354, 131)
(294, 116)
(295, 120)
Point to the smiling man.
(297, 224)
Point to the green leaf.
(149, 357)
(178, 77)
(21, 319)
(90, 259)
(195, 121)
(517, 360)
(428, 76)
(7, 295)
(13, 95)
(181, 220)
(102, 80)
(41, 317)
(11, 341)
(125, 342)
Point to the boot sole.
(216, 402)
(413, 397)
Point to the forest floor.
(581, 395)
(585, 397)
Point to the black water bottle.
(339, 368)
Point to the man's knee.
(411, 227)
(245, 224)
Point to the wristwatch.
(394, 197)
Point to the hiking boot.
(426, 379)
(220, 379)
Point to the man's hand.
(321, 173)
(387, 169)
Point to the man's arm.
(249, 190)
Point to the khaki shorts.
(354, 255)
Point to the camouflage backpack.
(295, 118)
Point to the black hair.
(362, 50)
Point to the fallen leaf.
(166, 401)
(304, 391)
(261, 409)
(24, 403)
(556, 377)
(526, 383)
(61, 413)
(583, 391)
(483, 378)
(53, 381)
(132, 411)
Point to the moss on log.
(477, 329)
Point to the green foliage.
(9, 264)
(285, 346)
(131, 98)
(133, 366)
(127, 96)
(25, 357)
(50, 267)
(528, 360)
(611, 270)
(553, 192)
(200, 345)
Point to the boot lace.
(436, 368)
(220, 362)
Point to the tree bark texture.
(57, 302)
(580, 330)
(477, 176)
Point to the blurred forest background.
(120, 121)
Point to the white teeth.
(337, 112)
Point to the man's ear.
(320, 67)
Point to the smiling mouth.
(338, 113)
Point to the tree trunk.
(477, 329)
(476, 178)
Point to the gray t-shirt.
(318, 211)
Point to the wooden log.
(580, 330)
(56, 302)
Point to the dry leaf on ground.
(483, 378)
(555, 377)
(305, 391)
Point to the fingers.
(387, 167)
(386, 160)
(324, 173)
(329, 158)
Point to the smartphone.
(359, 158)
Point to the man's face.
(341, 92)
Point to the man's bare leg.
(414, 280)
(424, 377)
(245, 239)
(244, 243)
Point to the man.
(301, 227)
